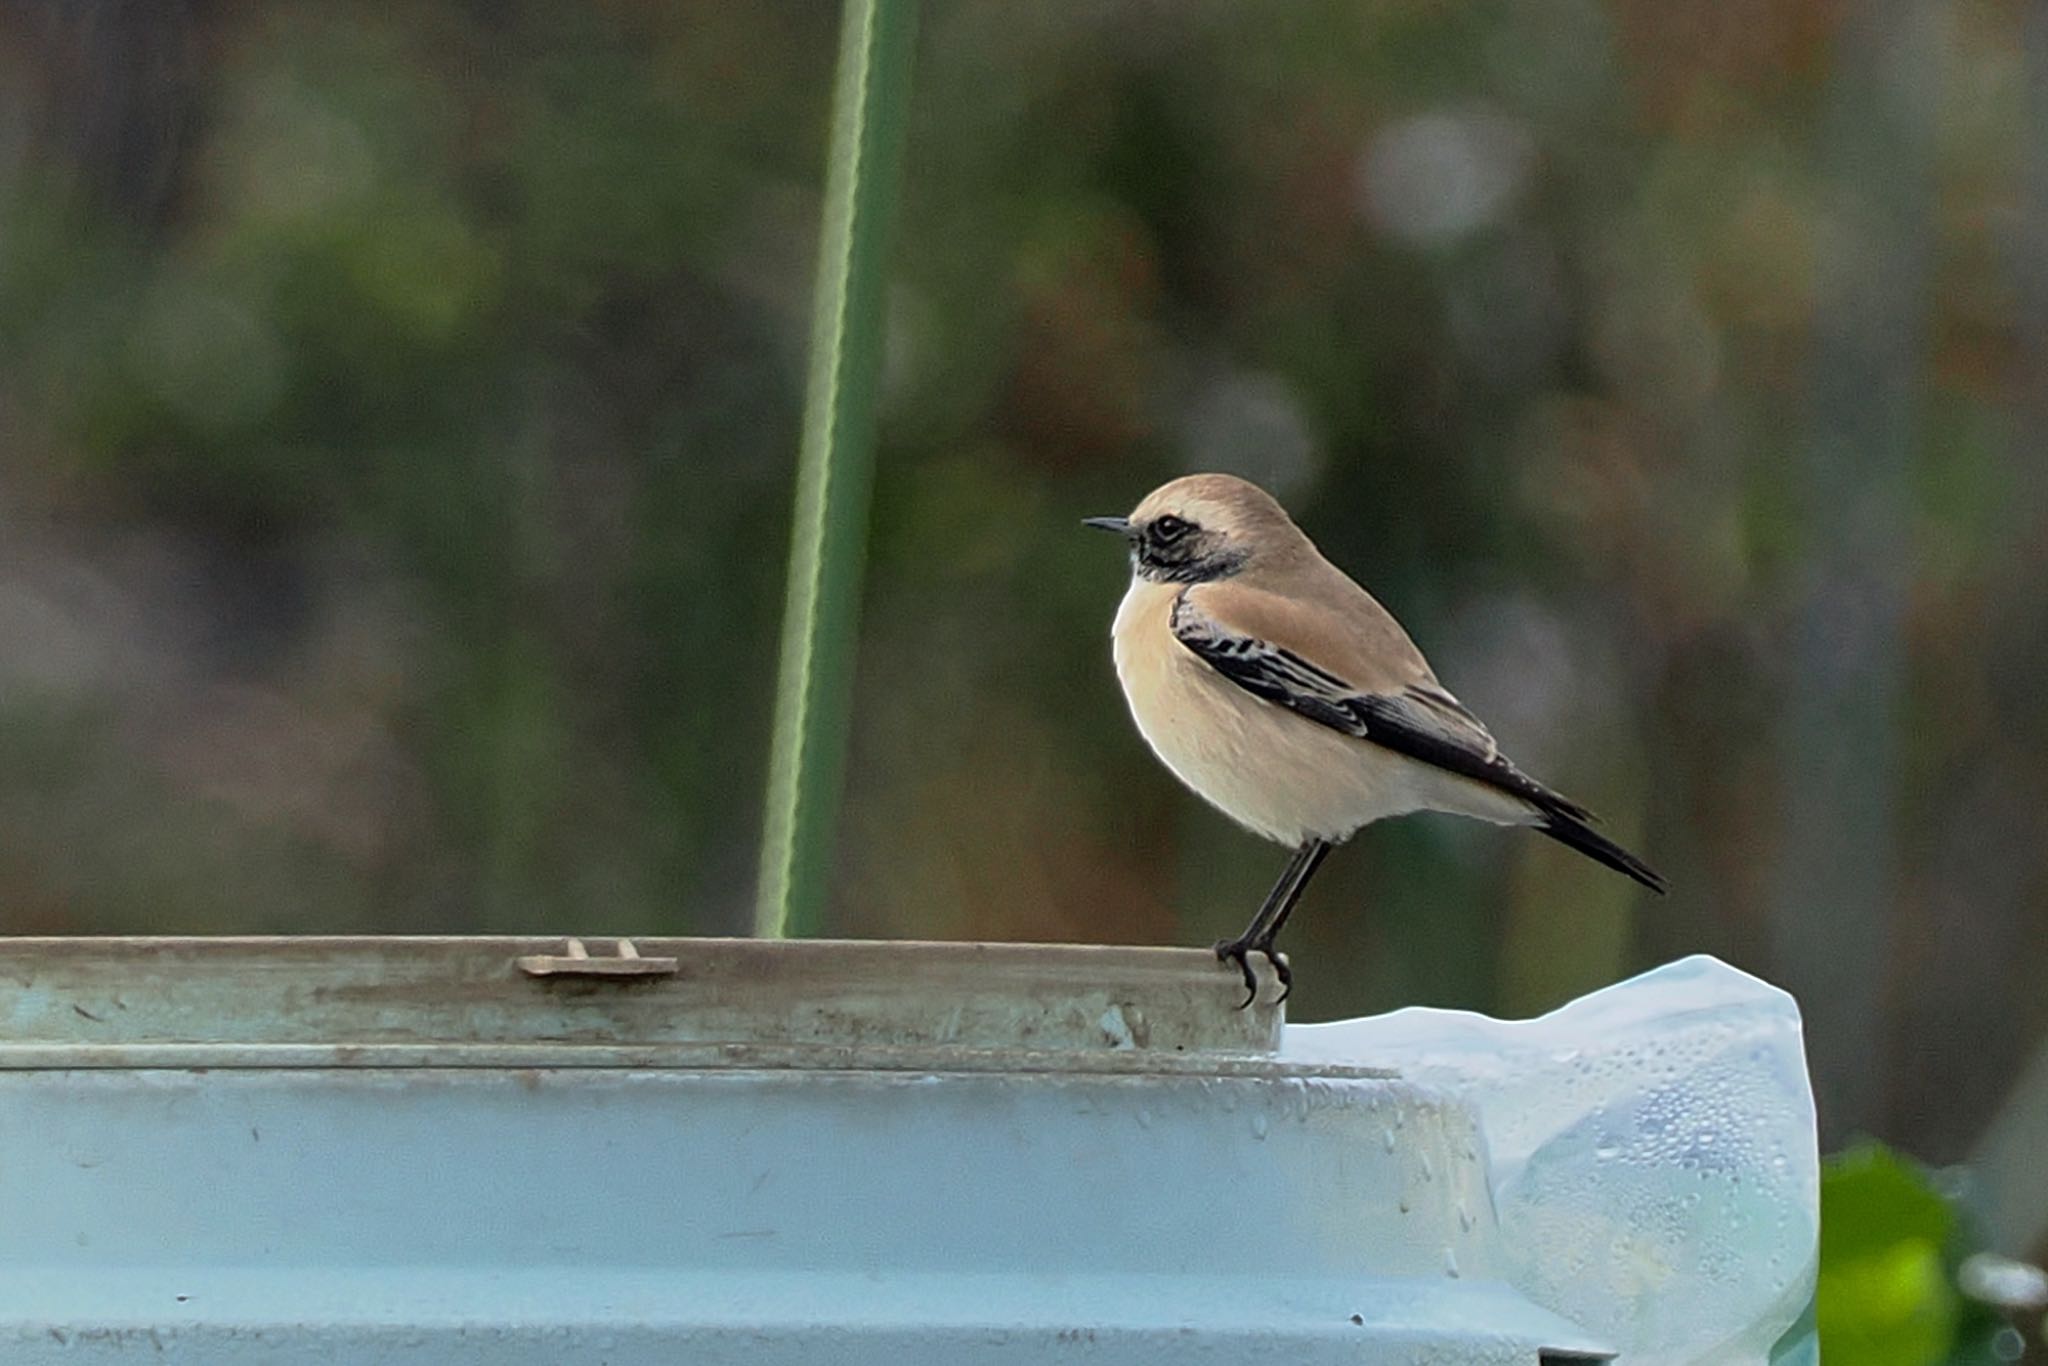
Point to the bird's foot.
(1280, 970)
(1239, 951)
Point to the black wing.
(1421, 721)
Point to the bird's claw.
(1280, 970)
(1239, 951)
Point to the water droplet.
(1144, 1119)
(1403, 1205)
(1451, 1263)
(1387, 1139)
(1464, 1217)
(1258, 1126)
(1428, 1168)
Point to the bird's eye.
(1169, 528)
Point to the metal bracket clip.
(577, 962)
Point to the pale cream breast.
(1272, 771)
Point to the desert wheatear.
(1287, 697)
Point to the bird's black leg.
(1315, 851)
(1273, 912)
(1238, 950)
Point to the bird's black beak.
(1120, 525)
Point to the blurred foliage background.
(398, 407)
(1905, 1279)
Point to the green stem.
(835, 468)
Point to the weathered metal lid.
(495, 1001)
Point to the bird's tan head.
(1202, 527)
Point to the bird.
(1287, 697)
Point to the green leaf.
(1885, 1298)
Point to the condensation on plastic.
(1651, 1149)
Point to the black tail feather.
(1571, 830)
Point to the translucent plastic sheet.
(1652, 1152)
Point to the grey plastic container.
(489, 1151)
